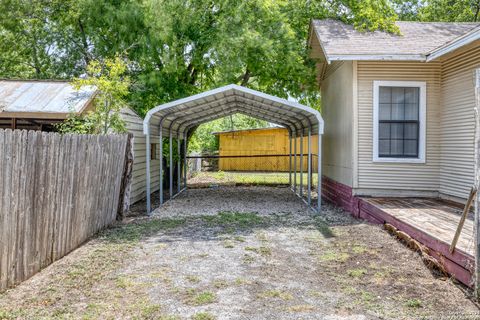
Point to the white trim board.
(422, 119)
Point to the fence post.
(124, 197)
(477, 184)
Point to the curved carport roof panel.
(192, 109)
(174, 119)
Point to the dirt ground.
(240, 253)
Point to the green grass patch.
(334, 256)
(235, 220)
(199, 298)
(413, 303)
(263, 251)
(283, 295)
(203, 316)
(357, 273)
(133, 232)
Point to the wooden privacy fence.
(56, 191)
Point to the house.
(263, 149)
(39, 105)
(399, 114)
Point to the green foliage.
(176, 48)
(438, 10)
(112, 87)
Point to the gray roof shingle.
(416, 39)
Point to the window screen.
(398, 122)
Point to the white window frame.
(422, 85)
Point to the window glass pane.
(398, 115)
(398, 95)
(385, 111)
(398, 111)
(411, 148)
(411, 111)
(384, 130)
(412, 95)
(411, 130)
(397, 147)
(397, 130)
(385, 94)
(384, 147)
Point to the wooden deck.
(436, 218)
(433, 223)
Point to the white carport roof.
(179, 116)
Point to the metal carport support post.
(170, 164)
(319, 170)
(309, 176)
(295, 163)
(290, 159)
(160, 142)
(147, 142)
(301, 165)
(185, 163)
(179, 165)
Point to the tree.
(438, 10)
(111, 89)
(176, 48)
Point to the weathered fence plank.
(56, 191)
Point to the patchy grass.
(331, 256)
(263, 251)
(301, 308)
(235, 220)
(413, 303)
(203, 316)
(283, 295)
(199, 298)
(193, 279)
(356, 273)
(133, 232)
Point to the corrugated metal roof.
(43, 97)
(177, 117)
(417, 38)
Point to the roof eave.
(379, 57)
(456, 44)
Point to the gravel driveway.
(239, 253)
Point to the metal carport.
(175, 119)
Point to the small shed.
(39, 105)
(263, 149)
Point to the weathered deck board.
(437, 218)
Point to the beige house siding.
(337, 112)
(134, 125)
(397, 176)
(457, 134)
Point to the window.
(153, 151)
(399, 121)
